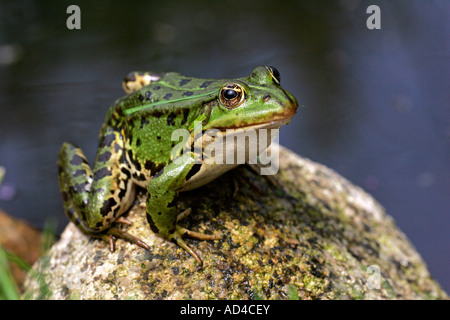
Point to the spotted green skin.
(135, 149)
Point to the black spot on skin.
(140, 97)
(122, 193)
(157, 88)
(188, 93)
(171, 119)
(99, 190)
(184, 81)
(152, 224)
(139, 176)
(185, 116)
(104, 156)
(130, 154)
(206, 84)
(137, 165)
(101, 173)
(107, 205)
(157, 114)
(77, 160)
(195, 168)
(158, 137)
(149, 165)
(135, 162)
(126, 172)
(143, 122)
(159, 213)
(173, 203)
(79, 172)
(148, 95)
(167, 96)
(123, 157)
(79, 187)
(138, 142)
(107, 140)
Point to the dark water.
(377, 101)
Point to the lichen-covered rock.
(320, 237)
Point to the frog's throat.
(271, 130)
(209, 170)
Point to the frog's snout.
(290, 104)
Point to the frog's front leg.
(93, 200)
(162, 213)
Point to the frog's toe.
(176, 237)
(110, 240)
(184, 214)
(198, 235)
(114, 233)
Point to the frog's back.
(172, 90)
(149, 116)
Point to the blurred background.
(377, 101)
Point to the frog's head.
(258, 100)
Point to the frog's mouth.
(271, 124)
(277, 120)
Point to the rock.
(320, 238)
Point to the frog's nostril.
(266, 98)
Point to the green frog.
(136, 149)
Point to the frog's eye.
(275, 74)
(232, 95)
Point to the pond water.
(377, 102)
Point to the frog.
(136, 150)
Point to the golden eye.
(232, 95)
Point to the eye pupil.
(230, 94)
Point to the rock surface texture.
(310, 235)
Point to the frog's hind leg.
(94, 199)
(73, 187)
